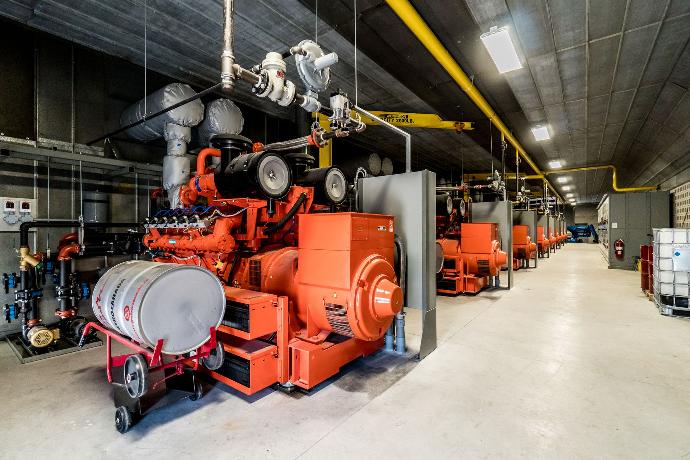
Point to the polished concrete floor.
(574, 362)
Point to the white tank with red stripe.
(148, 301)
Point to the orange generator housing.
(341, 295)
(543, 243)
(523, 248)
(469, 263)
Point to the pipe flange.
(262, 88)
(288, 94)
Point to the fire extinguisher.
(618, 248)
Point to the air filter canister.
(330, 184)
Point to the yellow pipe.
(614, 178)
(425, 35)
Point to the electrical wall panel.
(15, 211)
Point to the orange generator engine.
(471, 262)
(306, 292)
(543, 243)
(523, 248)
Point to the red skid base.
(313, 363)
(466, 284)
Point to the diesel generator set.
(472, 255)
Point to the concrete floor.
(574, 362)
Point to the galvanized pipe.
(395, 129)
(227, 57)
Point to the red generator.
(469, 263)
(523, 248)
(543, 243)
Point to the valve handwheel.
(136, 376)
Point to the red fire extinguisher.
(618, 248)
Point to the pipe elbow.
(67, 252)
(201, 159)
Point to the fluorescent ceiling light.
(501, 48)
(563, 179)
(541, 133)
(570, 195)
(566, 188)
(555, 164)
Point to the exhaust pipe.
(227, 57)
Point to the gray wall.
(635, 215)
(64, 204)
(586, 214)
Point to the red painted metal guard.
(154, 357)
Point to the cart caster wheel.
(215, 359)
(136, 376)
(198, 391)
(123, 419)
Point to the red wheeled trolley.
(143, 379)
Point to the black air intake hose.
(268, 230)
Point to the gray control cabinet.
(632, 216)
(411, 198)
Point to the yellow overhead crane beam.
(417, 120)
(325, 152)
(407, 13)
(404, 119)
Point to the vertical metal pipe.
(227, 57)
(148, 197)
(136, 195)
(35, 239)
(81, 191)
(73, 128)
(48, 203)
(72, 194)
(355, 44)
(36, 101)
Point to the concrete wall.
(52, 89)
(586, 214)
(632, 216)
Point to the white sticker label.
(681, 258)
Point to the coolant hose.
(400, 317)
(290, 214)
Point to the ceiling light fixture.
(555, 164)
(541, 133)
(563, 179)
(501, 48)
(566, 188)
(570, 195)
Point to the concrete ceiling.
(184, 38)
(610, 77)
